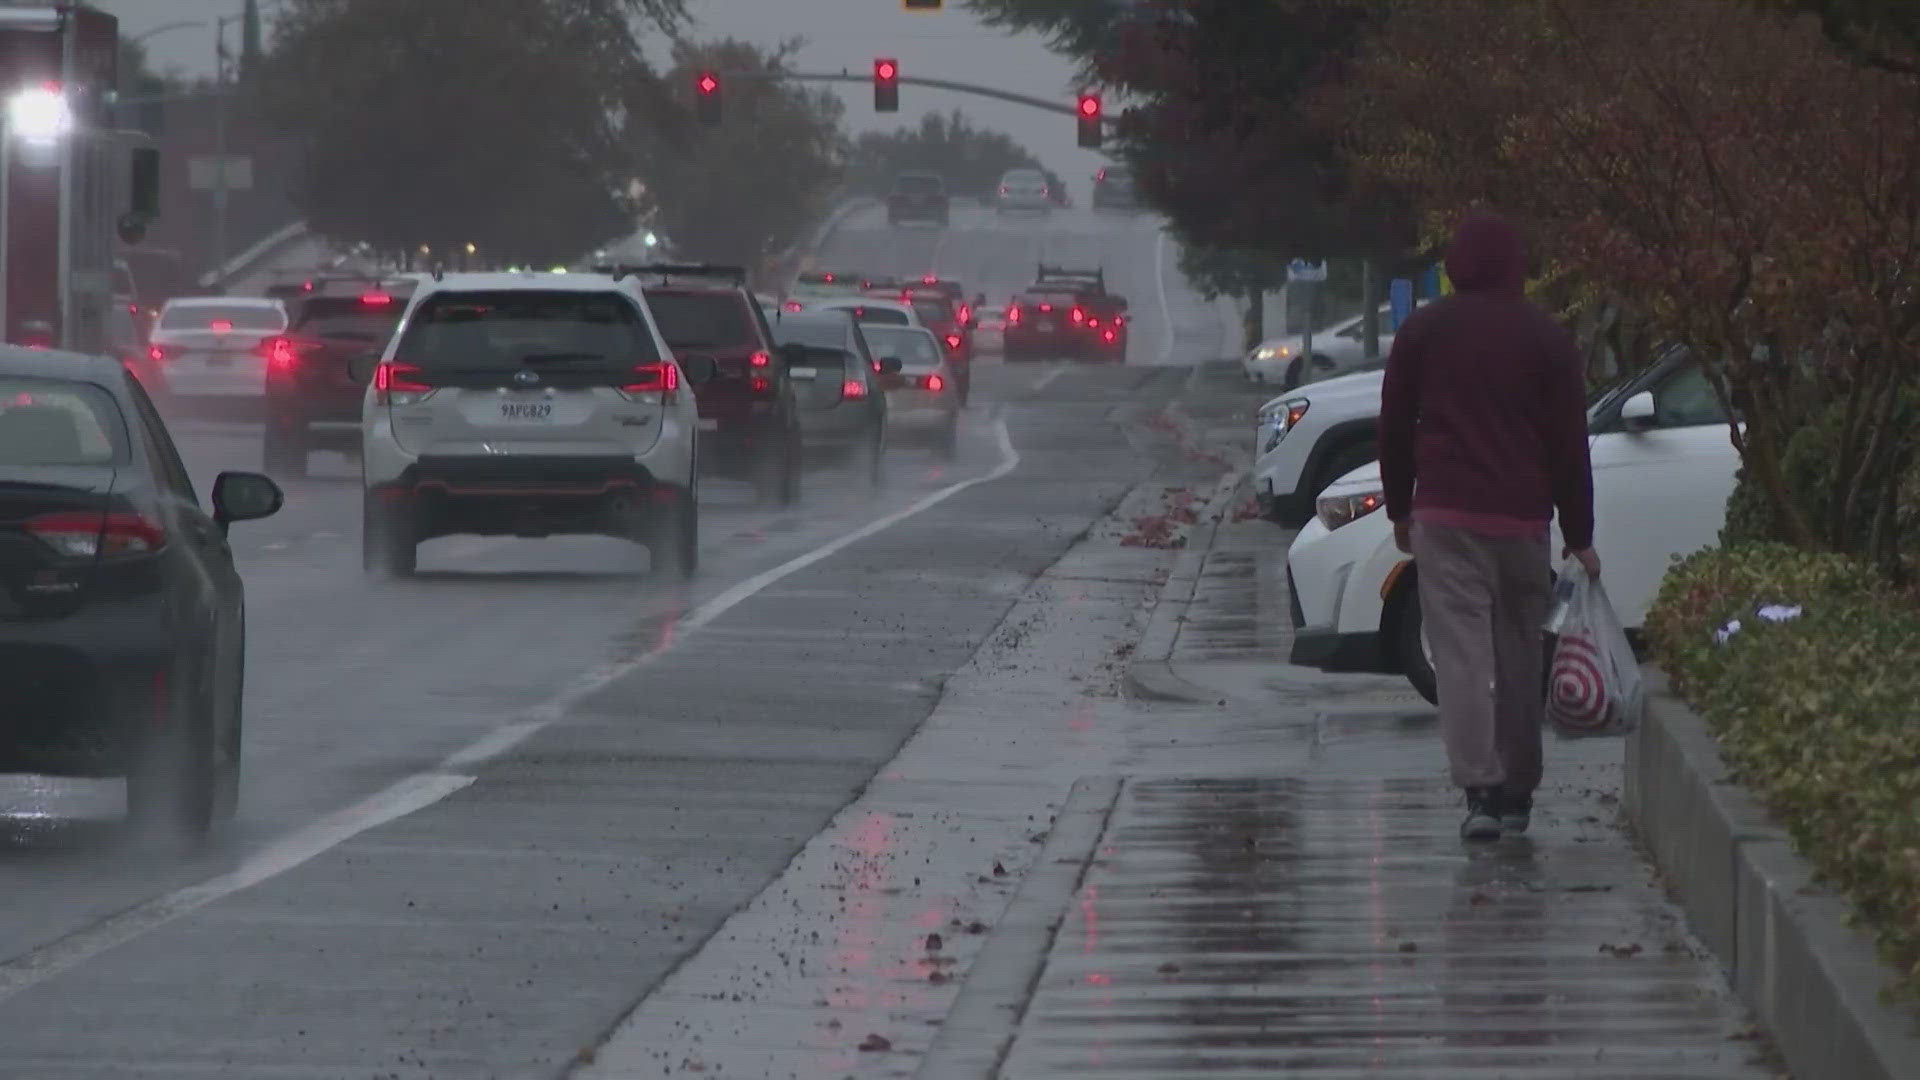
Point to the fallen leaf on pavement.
(873, 1043)
(934, 942)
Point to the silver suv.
(527, 404)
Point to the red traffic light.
(886, 70)
(707, 83)
(1089, 105)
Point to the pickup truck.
(1067, 313)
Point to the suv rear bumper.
(524, 496)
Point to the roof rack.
(735, 274)
(1060, 273)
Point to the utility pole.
(221, 93)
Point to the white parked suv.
(1663, 466)
(1340, 349)
(523, 404)
(1306, 439)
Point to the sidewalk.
(1320, 917)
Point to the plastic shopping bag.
(1593, 684)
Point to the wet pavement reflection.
(1337, 927)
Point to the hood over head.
(1487, 254)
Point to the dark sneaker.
(1483, 815)
(1516, 813)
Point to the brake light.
(156, 354)
(853, 390)
(1013, 315)
(375, 299)
(280, 354)
(87, 534)
(1046, 307)
(828, 278)
(929, 280)
(1094, 322)
(794, 305)
(966, 313)
(662, 379)
(953, 341)
(761, 384)
(1101, 175)
(760, 359)
(1078, 316)
(221, 325)
(1119, 320)
(1107, 334)
(936, 383)
(398, 384)
(133, 309)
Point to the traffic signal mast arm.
(1065, 108)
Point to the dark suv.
(918, 197)
(749, 422)
(313, 395)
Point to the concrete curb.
(1811, 980)
(1150, 674)
(979, 1029)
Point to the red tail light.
(853, 390)
(156, 354)
(1119, 320)
(654, 379)
(929, 280)
(794, 305)
(1013, 315)
(1094, 321)
(761, 384)
(966, 313)
(376, 299)
(87, 534)
(953, 341)
(936, 383)
(1046, 307)
(760, 359)
(280, 354)
(1108, 335)
(221, 326)
(392, 379)
(1078, 316)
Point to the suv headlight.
(1338, 510)
(1276, 420)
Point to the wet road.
(484, 811)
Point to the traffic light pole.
(1063, 108)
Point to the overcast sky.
(841, 34)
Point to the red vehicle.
(73, 183)
(1067, 313)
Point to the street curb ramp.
(1150, 675)
(1812, 981)
(980, 1027)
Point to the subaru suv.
(523, 404)
(749, 421)
(313, 397)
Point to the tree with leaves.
(440, 123)
(969, 158)
(757, 182)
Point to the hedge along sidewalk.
(1813, 981)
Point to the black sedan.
(122, 624)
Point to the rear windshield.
(934, 309)
(508, 328)
(882, 316)
(702, 320)
(344, 318)
(915, 348)
(232, 316)
(1021, 176)
(818, 333)
(1052, 296)
(918, 185)
(59, 422)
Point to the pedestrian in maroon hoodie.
(1483, 436)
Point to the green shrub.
(1820, 715)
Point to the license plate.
(1045, 326)
(526, 410)
(803, 373)
(709, 425)
(217, 359)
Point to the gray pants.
(1483, 600)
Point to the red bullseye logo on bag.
(1577, 686)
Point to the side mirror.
(360, 369)
(244, 496)
(890, 365)
(1637, 412)
(698, 367)
(794, 354)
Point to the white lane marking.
(1160, 285)
(1045, 380)
(421, 790)
(413, 793)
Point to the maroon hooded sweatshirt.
(1483, 421)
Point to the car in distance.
(1113, 189)
(1025, 190)
(523, 404)
(313, 395)
(749, 421)
(209, 346)
(918, 197)
(923, 397)
(122, 620)
(843, 411)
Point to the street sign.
(203, 172)
(1400, 300)
(1304, 271)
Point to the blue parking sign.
(1400, 300)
